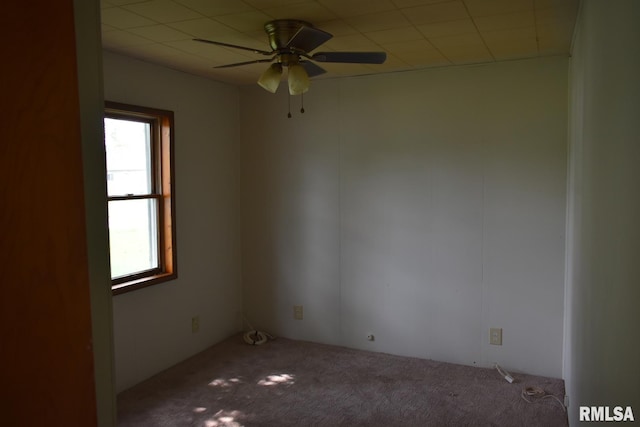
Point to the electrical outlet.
(195, 324)
(297, 312)
(495, 336)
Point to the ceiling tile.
(439, 12)
(123, 2)
(336, 27)
(513, 36)
(163, 11)
(467, 54)
(417, 53)
(505, 21)
(160, 33)
(449, 28)
(204, 28)
(462, 48)
(114, 39)
(497, 7)
(512, 43)
(553, 16)
(469, 39)
(216, 54)
(120, 18)
(378, 21)
(511, 51)
(154, 51)
(411, 3)
(312, 12)
(257, 39)
(242, 39)
(553, 40)
(106, 28)
(266, 4)
(414, 33)
(555, 4)
(395, 35)
(245, 21)
(345, 9)
(356, 42)
(215, 7)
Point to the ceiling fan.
(291, 42)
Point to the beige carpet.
(293, 383)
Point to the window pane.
(133, 236)
(128, 146)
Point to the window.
(140, 191)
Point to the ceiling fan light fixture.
(291, 40)
(298, 79)
(270, 79)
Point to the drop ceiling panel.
(121, 39)
(216, 7)
(244, 21)
(160, 33)
(511, 43)
(467, 54)
(505, 21)
(497, 7)
(355, 42)
(162, 11)
(412, 3)
(308, 11)
(337, 27)
(379, 21)
(205, 28)
(218, 55)
(122, 18)
(439, 12)
(346, 9)
(120, 2)
(266, 4)
(449, 28)
(402, 34)
(420, 53)
(414, 33)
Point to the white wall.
(152, 326)
(602, 348)
(423, 207)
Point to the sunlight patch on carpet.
(223, 383)
(270, 380)
(224, 418)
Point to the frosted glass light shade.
(270, 79)
(298, 79)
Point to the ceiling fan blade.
(237, 64)
(308, 38)
(351, 57)
(312, 69)
(250, 49)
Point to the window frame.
(162, 136)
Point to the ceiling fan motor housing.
(281, 31)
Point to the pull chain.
(301, 104)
